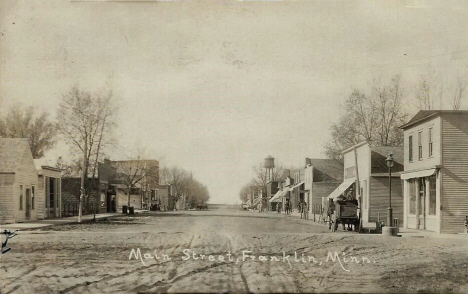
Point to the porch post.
(417, 203)
(405, 203)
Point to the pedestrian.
(113, 208)
(350, 194)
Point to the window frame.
(33, 192)
(21, 197)
(430, 142)
(410, 148)
(420, 153)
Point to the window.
(412, 196)
(432, 195)
(21, 198)
(32, 197)
(430, 142)
(419, 146)
(410, 150)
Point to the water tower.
(269, 165)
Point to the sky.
(217, 86)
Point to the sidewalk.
(412, 233)
(54, 221)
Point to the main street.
(250, 252)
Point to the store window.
(410, 148)
(412, 196)
(432, 195)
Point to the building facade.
(134, 180)
(18, 182)
(436, 171)
(321, 177)
(49, 191)
(366, 172)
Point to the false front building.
(372, 180)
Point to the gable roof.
(423, 115)
(11, 150)
(330, 167)
(379, 156)
(398, 152)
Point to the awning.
(341, 188)
(276, 197)
(285, 191)
(418, 174)
(256, 201)
(292, 188)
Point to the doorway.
(422, 204)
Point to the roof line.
(354, 147)
(410, 123)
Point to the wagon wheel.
(334, 223)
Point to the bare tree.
(22, 122)
(458, 93)
(429, 91)
(262, 178)
(388, 105)
(178, 179)
(374, 118)
(137, 173)
(85, 121)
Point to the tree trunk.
(128, 197)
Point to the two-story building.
(365, 168)
(436, 171)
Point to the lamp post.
(390, 163)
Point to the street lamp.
(390, 163)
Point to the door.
(422, 203)
(28, 203)
(52, 198)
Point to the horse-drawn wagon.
(343, 211)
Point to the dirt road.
(250, 252)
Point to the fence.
(72, 209)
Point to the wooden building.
(49, 190)
(373, 174)
(18, 181)
(322, 177)
(436, 171)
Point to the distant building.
(71, 191)
(436, 171)
(114, 176)
(271, 189)
(162, 196)
(321, 177)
